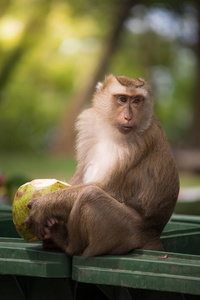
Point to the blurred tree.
(63, 142)
(150, 51)
(192, 135)
(48, 69)
(4, 5)
(29, 38)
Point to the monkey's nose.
(128, 118)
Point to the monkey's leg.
(56, 204)
(99, 224)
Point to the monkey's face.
(126, 103)
(127, 108)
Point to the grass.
(20, 168)
(45, 166)
(37, 166)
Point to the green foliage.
(21, 168)
(27, 115)
(40, 86)
(49, 49)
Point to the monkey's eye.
(121, 99)
(136, 100)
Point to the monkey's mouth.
(125, 128)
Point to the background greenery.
(51, 49)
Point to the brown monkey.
(126, 184)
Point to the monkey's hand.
(37, 219)
(57, 204)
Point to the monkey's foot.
(50, 228)
(57, 233)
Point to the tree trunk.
(63, 141)
(31, 35)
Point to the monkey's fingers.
(37, 228)
(30, 203)
(52, 221)
(47, 231)
(39, 231)
(28, 222)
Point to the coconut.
(25, 193)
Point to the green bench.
(29, 272)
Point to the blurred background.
(52, 54)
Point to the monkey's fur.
(126, 184)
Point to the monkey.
(126, 184)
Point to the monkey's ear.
(107, 81)
(99, 86)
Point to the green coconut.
(25, 193)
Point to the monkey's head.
(125, 103)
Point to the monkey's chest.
(94, 172)
(101, 163)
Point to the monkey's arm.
(56, 204)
